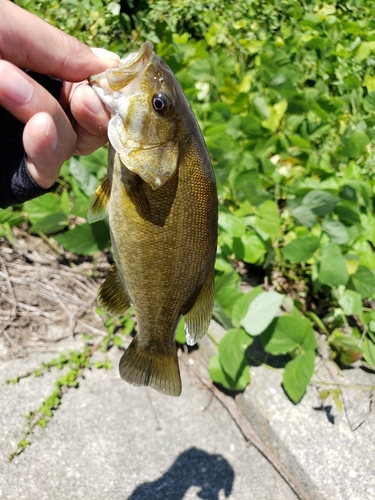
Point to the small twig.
(158, 427)
(248, 432)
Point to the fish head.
(143, 97)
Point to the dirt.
(45, 296)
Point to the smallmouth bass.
(160, 195)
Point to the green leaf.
(219, 376)
(261, 312)
(242, 305)
(234, 226)
(180, 333)
(368, 352)
(42, 207)
(351, 303)
(267, 221)
(304, 215)
(226, 291)
(363, 281)
(254, 248)
(11, 216)
(332, 266)
(297, 375)
(301, 249)
(86, 239)
(355, 144)
(87, 182)
(232, 349)
(51, 224)
(320, 202)
(336, 231)
(286, 333)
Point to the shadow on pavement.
(194, 467)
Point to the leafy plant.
(285, 97)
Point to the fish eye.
(161, 103)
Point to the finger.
(91, 118)
(23, 98)
(88, 110)
(40, 47)
(49, 138)
(45, 153)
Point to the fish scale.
(160, 195)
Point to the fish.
(161, 199)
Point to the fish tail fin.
(142, 366)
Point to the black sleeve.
(16, 184)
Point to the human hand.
(54, 131)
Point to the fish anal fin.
(198, 318)
(112, 295)
(143, 366)
(99, 205)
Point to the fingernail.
(106, 55)
(95, 105)
(42, 124)
(14, 86)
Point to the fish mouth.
(120, 79)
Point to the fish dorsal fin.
(99, 205)
(198, 318)
(112, 295)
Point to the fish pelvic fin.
(143, 366)
(198, 318)
(99, 205)
(112, 295)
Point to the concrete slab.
(109, 440)
(314, 441)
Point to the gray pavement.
(109, 440)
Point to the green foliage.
(285, 97)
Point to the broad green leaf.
(12, 217)
(301, 249)
(180, 332)
(226, 291)
(219, 376)
(261, 312)
(297, 375)
(304, 215)
(346, 342)
(286, 333)
(41, 207)
(87, 182)
(50, 224)
(354, 144)
(86, 239)
(332, 266)
(242, 305)
(320, 202)
(234, 226)
(267, 221)
(232, 349)
(363, 281)
(351, 303)
(254, 248)
(336, 231)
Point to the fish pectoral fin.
(112, 295)
(99, 205)
(144, 366)
(156, 165)
(198, 318)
